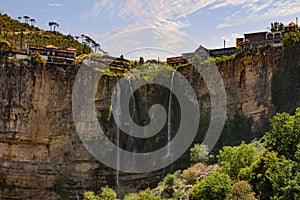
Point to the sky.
(155, 28)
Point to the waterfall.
(130, 141)
(169, 114)
(117, 139)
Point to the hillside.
(14, 32)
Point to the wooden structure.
(176, 61)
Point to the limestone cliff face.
(41, 155)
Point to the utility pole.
(224, 44)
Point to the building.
(54, 55)
(261, 39)
(291, 27)
(201, 51)
(222, 52)
(176, 61)
(119, 65)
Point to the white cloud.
(165, 14)
(172, 15)
(55, 4)
(252, 11)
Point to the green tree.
(268, 175)
(217, 186)
(233, 159)
(199, 153)
(141, 62)
(284, 135)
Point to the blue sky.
(166, 25)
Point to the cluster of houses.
(254, 40)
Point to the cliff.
(41, 155)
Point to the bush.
(192, 174)
(242, 190)
(284, 135)
(217, 186)
(269, 175)
(170, 180)
(130, 196)
(106, 194)
(233, 159)
(147, 195)
(199, 153)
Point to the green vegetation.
(232, 159)
(217, 186)
(3, 45)
(106, 194)
(268, 175)
(290, 41)
(18, 34)
(149, 71)
(286, 90)
(236, 130)
(242, 190)
(193, 173)
(243, 172)
(199, 153)
(284, 136)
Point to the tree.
(217, 186)
(32, 21)
(19, 18)
(199, 153)
(54, 25)
(277, 26)
(284, 135)
(26, 18)
(233, 159)
(268, 175)
(141, 62)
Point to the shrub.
(106, 194)
(170, 180)
(242, 190)
(192, 174)
(147, 195)
(268, 175)
(233, 159)
(130, 196)
(284, 135)
(199, 153)
(217, 186)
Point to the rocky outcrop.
(41, 155)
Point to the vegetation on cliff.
(265, 169)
